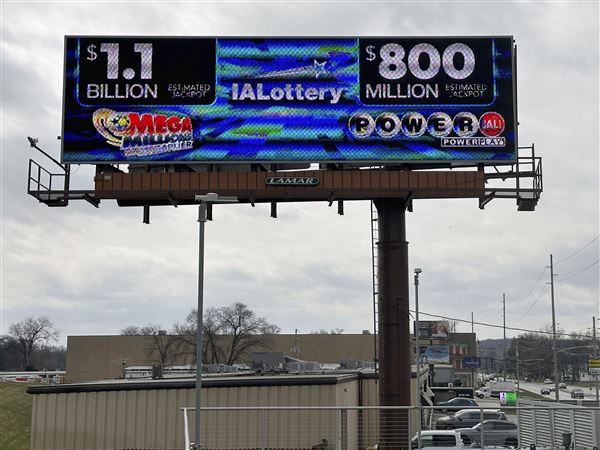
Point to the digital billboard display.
(345, 100)
(435, 354)
(433, 329)
(472, 362)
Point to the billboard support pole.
(393, 315)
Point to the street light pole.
(504, 336)
(418, 354)
(199, 321)
(202, 209)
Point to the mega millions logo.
(144, 134)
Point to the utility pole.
(504, 326)
(595, 357)
(517, 352)
(554, 329)
(473, 333)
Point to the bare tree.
(325, 331)
(211, 328)
(452, 326)
(228, 334)
(244, 329)
(30, 333)
(130, 330)
(163, 347)
(146, 330)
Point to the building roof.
(207, 382)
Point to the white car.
(547, 381)
(440, 439)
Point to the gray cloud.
(95, 271)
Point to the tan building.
(91, 358)
(237, 413)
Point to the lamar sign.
(291, 181)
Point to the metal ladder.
(374, 256)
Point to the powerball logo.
(144, 134)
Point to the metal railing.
(42, 183)
(525, 180)
(354, 428)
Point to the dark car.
(457, 403)
(467, 418)
(545, 391)
(495, 432)
(577, 393)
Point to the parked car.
(457, 403)
(562, 385)
(495, 432)
(467, 418)
(547, 381)
(441, 440)
(552, 388)
(545, 391)
(577, 393)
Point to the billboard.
(435, 354)
(471, 362)
(594, 366)
(433, 329)
(251, 100)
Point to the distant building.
(91, 358)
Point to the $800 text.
(393, 67)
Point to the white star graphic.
(319, 67)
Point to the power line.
(532, 287)
(573, 254)
(542, 292)
(491, 313)
(577, 271)
(492, 325)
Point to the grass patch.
(531, 395)
(15, 416)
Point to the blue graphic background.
(283, 131)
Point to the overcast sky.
(94, 271)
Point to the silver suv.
(495, 432)
(467, 418)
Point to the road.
(564, 394)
